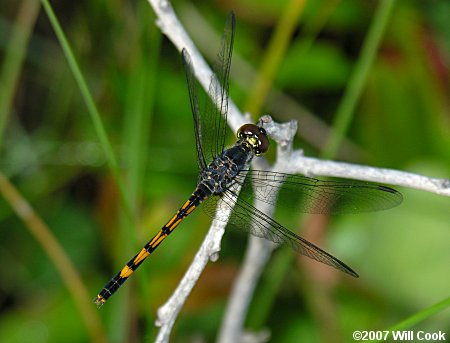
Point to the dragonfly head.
(255, 137)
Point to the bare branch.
(313, 166)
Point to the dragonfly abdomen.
(118, 280)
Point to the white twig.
(313, 166)
(287, 161)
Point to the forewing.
(214, 118)
(192, 89)
(310, 195)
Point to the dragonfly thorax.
(219, 175)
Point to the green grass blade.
(421, 315)
(275, 52)
(56, 253)
(346, 108)
(92, 109)
(13, 58)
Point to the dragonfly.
(223, 170)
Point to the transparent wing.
(192, 89)
(214, 120)
(211, 124)
(309, 195)
(248, 218)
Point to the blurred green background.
(51, 152)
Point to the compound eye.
(247, 130)
(256, 137)
(263, 141)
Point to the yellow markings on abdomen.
(190, 209)
(142, 256)
(156, 242)
(126, 272)
(174, 225)
(158, 235)
(186, 204)
(172, 220)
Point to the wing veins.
(275, 232)
(324, 196)
(192, 89)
